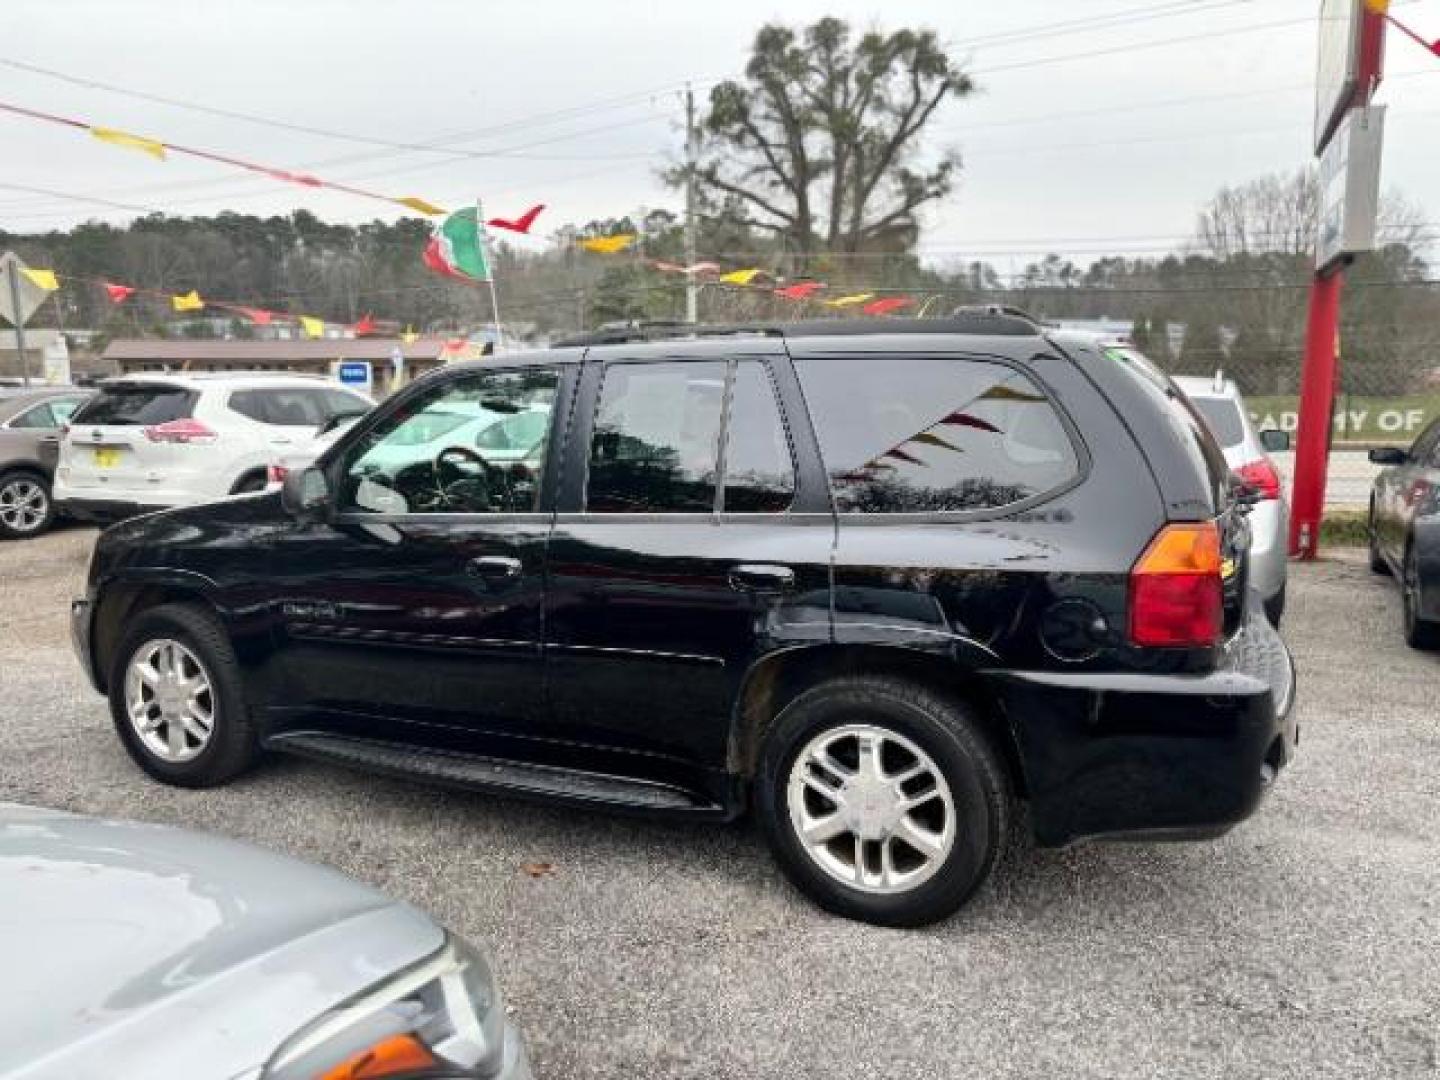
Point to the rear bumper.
(1157, 756)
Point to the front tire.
(882, 800)
(1420, 633)
(26, 508)
(176, 699)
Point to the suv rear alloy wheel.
(176, 701)
(25, 505)
(882, 800)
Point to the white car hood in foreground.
(136, 950)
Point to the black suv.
(878, 581)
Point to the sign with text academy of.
(1350, 186)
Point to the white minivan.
(151, 441)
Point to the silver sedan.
(144, 951)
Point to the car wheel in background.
(882, 800)
(1275, 607)
(1420, 633)
(26, 508)
(176, 700)
(1377, 559)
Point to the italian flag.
(457, 247)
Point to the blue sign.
(354, 373)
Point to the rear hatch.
(109, 446)
(1197, 484)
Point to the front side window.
(655, 446)
(923, 435)
(438, 453)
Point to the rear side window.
(37, 417)
(129, 406)
(282, 407)
(655, 447)
(1222, 417)
(926, 435)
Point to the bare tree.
(820, 142)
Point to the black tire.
(944, 730)
(1378, 564)
(249, 483)
(233, 744)
(1420, 633)
(1275, 608)
(35, 490)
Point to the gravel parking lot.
(1302, 945)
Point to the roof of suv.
(987, 322)
(218, 380)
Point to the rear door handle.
(50, 440)
(492, 567)
(761, 578)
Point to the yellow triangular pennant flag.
(421, 205)
(851, 300)
(153, 147)
(608, 245)
(741, 277)
(189, 302)
(409, 337)
(313, 327)
(42, 279)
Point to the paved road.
(1303, 945)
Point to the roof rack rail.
(978, 321)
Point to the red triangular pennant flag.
(521, 224)
(801, 291)
(118, 293)
(903, 456)
(960, 419)
(366, 325)
(886, 306)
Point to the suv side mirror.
(305, 493)
(1389, 455)
(1275, 441)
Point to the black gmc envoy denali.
(880, 583)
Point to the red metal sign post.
(1322, 344)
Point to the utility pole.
(692, 152)
(14, 277)
(1322, 341)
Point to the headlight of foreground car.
(442, 1018)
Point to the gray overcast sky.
(1063, 151)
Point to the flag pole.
(484, 236)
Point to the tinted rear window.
(136, 405)
(921, 435)
(1222, 416)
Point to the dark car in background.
(1405, 531)
(30, 425)
(874, 581)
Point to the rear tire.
(1377, 559)
(26, 508)
(163, 660)
(1275, 608)
(1420, 633)
(903, 850)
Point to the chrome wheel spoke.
(920, 838)
(823, 830)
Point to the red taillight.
(1175, 591)
(275, 474)
(180, 431)
(1262, 476)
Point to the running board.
(473, 771)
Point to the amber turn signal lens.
(396, 1056)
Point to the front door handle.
(761, 578)
(494, 566)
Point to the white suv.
(146, 442)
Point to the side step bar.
(473, 771)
